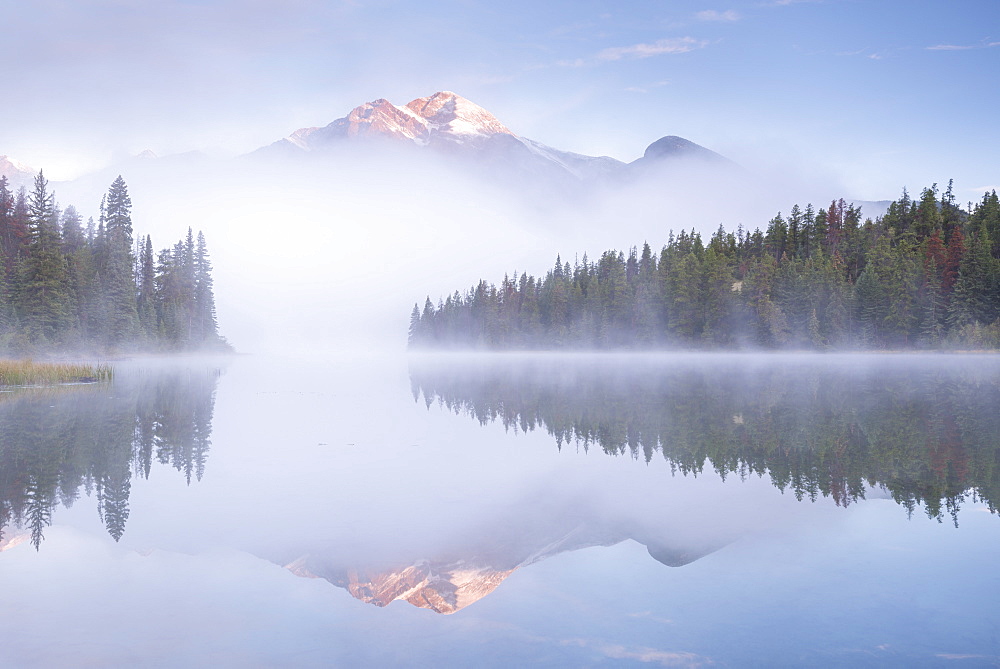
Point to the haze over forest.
(605, 129)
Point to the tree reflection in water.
(97, 438)
(926, 429)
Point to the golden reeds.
(31, 373)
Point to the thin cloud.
(962, 47)
(647, 87)
(651, 655)
(672, 45)
(949, 47)
(715, 15)
(870, 53)
(786, 3)
(643, 654)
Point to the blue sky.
(870, 96)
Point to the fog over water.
(326, 497)
(337, 483)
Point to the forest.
(72, 287)
(925, 275)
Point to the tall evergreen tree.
(206, 325)
(44, 301)
(118, 282)
(146, 289)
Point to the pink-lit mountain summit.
(443, 116)
(449, 123)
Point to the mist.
(329, 252)
(723, 450)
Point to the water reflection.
(924, 428)
(57, 442)
(463, 569)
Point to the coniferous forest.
(925, 275)
(70, 286)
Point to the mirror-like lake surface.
(615, 510)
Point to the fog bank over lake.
(576, 507)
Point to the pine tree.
(974, 299)
(44, 301)
(116, 270)
(146, 298)
(928, 216)
(206, 325)
(8, 237)
(414, 333)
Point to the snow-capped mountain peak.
(451, 113)
(449, 125)
(443, 115)
(13, 168)
(381, 118)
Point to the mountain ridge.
(450, 123)
(17, 173)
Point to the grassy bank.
(31, 373)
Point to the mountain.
(672, 147)
(17, 173)
(452, 125)
(442, 117)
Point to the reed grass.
(31, 373)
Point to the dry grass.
(31, 373)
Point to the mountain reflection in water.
(926, 429)
(538, 528)
(57, 441)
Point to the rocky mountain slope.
(450, 124)
(17, 173)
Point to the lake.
(570, 510)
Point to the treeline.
(928, 435)
(73, 287)
(926, 274)
(60, 442)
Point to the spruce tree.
(8, 238)
(116, 271)
(44, 301)
(146, 297)
(206, 325)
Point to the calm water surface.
(567, 511)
